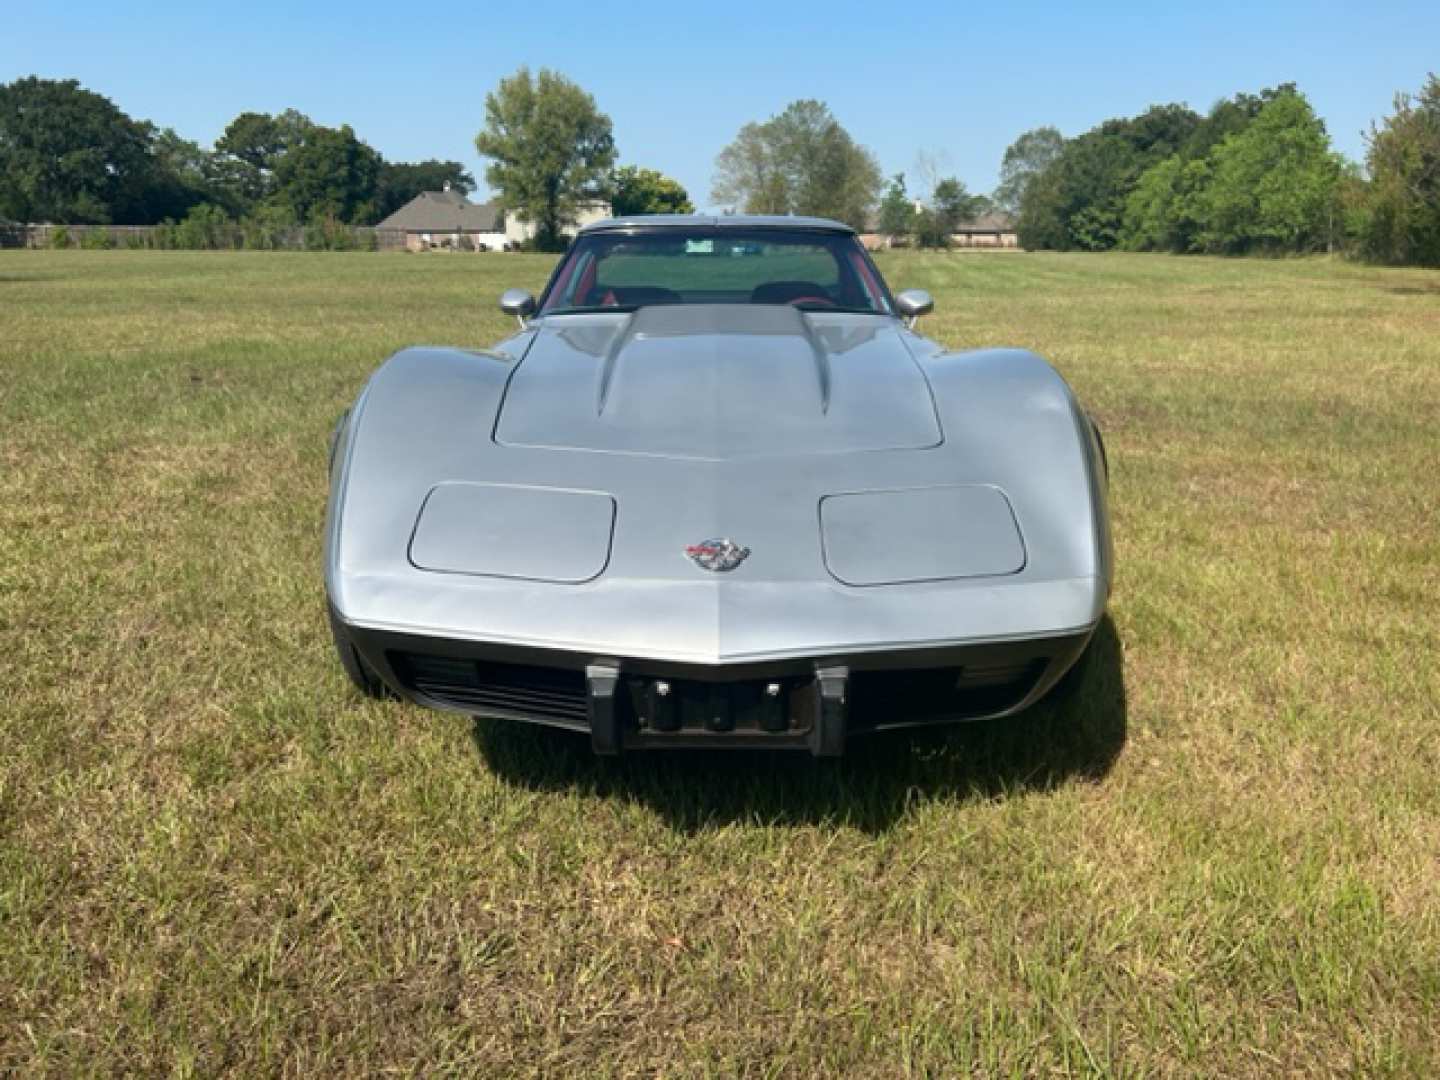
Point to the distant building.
(447, 219)
(993, 230)
(517, 231)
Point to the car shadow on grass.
(872, 787)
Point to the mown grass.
(1223, 859)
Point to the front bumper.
(806, 702)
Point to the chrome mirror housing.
(912, 303)
(517, 302)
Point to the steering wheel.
(823, 301)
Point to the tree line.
(551, 152)
(1255, 175)
(70, 156)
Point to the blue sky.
(956, 81)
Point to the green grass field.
(1224, 858)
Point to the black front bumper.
(814, 703)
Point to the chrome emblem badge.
(718, 555)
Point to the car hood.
(718, 382)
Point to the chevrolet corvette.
(716, 490)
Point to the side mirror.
(912, 303)
(519, 303)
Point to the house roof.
(995, 221)
(444, 211)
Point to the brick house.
(446, 219)
(993, 230)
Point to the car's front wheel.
(361, 674)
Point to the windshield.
(812, 270)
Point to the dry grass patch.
(213, 859)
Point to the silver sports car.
(716, 491)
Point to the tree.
(550, 147)
(1078, 200)
(799, 162)
(402, 181)
(930, 230)
(750, 174)
(180, 179)
(1149, 209)
(1272, 186)
(930, 166)
(950, 207)
(1040, 225)
(1026, 158)
(954, 205)
(897, 210)
(330, 174)
(261, 140)
(182, 158)
(634, 190)
(1167, 210)
(70, 155)
(250, 150)
(1401, 223)
(1229, 116)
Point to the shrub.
(269, 228)
(162, 237)
(1400, 222)
(342, 237)
(59, 237)
(930, 231)
(207, 227)
(537, 244)
(314, 237)
(324, 232)
(99, 239)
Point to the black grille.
(508, 689)
(884, 697)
